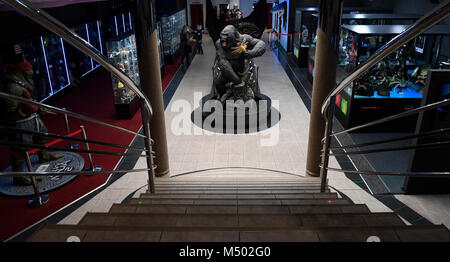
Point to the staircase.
(239, 208)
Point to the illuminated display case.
(395, 84)
(160, 47)
(48, 57)
(304, 37)
(378, 19)
(171, 27)
(92, 33)
(121, 52)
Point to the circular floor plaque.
(69, 163)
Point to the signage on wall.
(338, 100)
(344, 106)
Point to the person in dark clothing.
(198, 37)
(185, 43)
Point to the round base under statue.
(235, 120)
(71, 162)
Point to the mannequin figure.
(18, 81)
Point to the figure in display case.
(121, 51)
(393, 85)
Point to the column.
(324, 77)
(150, 78)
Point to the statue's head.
(26, 69)
(229, 36)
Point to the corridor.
(196, 149)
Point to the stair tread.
(60, 233)
(247, 220)
(240, 201)
(249, 209)
(241, 196)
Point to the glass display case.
(160, 48)
(48, 56)
(32, 51)
(304, 38)
(91, 32)
(171, 27)
(378, 19)
(393, 85)
(55, 58)
(121, 52)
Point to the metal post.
(326, 150)
(324, 77)
(39, 199)
(66, 121)
(150, 153)
(91, 162)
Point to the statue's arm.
(225, 65)
(255, 47)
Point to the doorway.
(196, 15)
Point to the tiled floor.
(202, 150)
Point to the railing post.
(326, 150)
(324, 77)
(39, 199)
(150, 156)
(66, 122)
(91, 163)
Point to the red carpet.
(169, 72)
(95, 99)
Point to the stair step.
(214, 221)
(60, 233)
(235, 202)
(299, 185)
(236, 191)
(241, 196)
(237, 183)
(234, 210)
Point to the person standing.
(198, 37)
(184, 37)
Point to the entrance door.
(196, 15)
(269, 15)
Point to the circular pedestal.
(71, 162)
(236, 117)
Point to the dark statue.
(234, 72)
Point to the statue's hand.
(241, 47)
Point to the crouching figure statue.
(234, 72)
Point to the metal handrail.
(420, 26)
(410, 174)
(396, 116)
(26, 145)
(53, 25)
(41, 17)
(46, 134)
(384, 141)
(72, 173)
(427, 21)
(66, 112)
